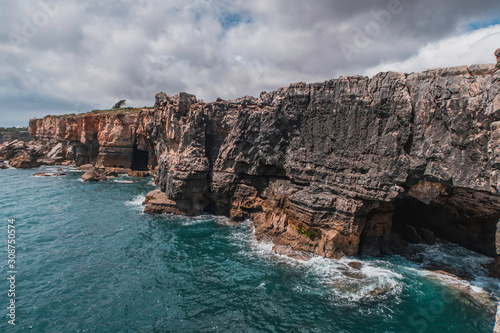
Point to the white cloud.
(469, 48)
(94, 53)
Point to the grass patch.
(97, 111)
(307, 232)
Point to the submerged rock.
(464, 291)
(355, 264)
(46, 174)
(379, 291)
(289, 252)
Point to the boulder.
(157, 202)
(57, 153)
(118, 171)
(4, 166)
(110, 172)
(46, 174)
(85, 167)
(46, 161)
(24, 161)
(93, 175)
(135, 173)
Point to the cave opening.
(465, 217)
(140, 159)
(456, 221)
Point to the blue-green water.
(89, 260)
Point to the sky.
(68, 56)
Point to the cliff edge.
(354, 165)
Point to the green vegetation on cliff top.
(109, 111)
(14, 133)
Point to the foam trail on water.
(136, 201)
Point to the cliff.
(349, 166)
(346, 166)
(108, 139)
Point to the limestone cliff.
(354, 165)
(111, 139)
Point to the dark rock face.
(347, 166)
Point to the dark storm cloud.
(67, 55)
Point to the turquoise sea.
(88, 260)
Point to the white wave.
(136, 201)
(187, 221)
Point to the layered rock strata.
(348, 166)
(354, 165)
(107, 140)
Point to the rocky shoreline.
(349, 166)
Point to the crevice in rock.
(450, 219)
(465, 217)
(140, 159)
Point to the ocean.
(87, 259)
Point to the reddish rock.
(135, 173)
(24, 161)
(85, 167)
(46, 161)
(108, 172)
(157, 202)
(355, 264)
(93, 175)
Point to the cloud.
(69, 56)
(466, 49)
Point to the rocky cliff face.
(113, 139)
(349, 166)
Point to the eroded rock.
(24, 161)
(335, 168)
(157, 202)
(135, 173)
(93, 175)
